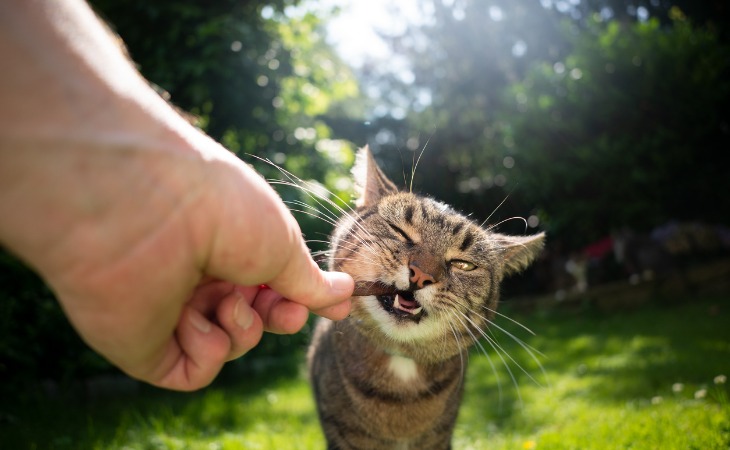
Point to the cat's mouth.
(402, 305)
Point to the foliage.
(206, 57)
(706, 13)
(320, 83)
(256, 75)
(647, 378)
(460, 60)
(586, 120)
(36, 341)
(628, 129)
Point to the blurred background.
(605, 123)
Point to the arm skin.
(153, 237)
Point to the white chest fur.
(405, 369)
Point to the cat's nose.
(419, 277)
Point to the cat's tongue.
(408, 305)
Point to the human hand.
(154, 238)
(135, 248)
(222, 321)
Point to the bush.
(36, 340)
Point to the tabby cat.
(390, 376)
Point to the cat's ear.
(370, 182)
(518, 252)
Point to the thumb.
(302, 281)
(256, 240)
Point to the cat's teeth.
(396, 303)
(409, 309)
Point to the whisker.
(366, 242)
(528, 348)
(402, 167)
(415, 165)
(494, 311)
(366, 248)
(312, 193)
(318, 241)
(330, 216)
(532, 351)
(500, 351)
(298, 183)
(461, 352)
(316, 197)
(519, 341)
(477, 342)
(294, 178)
(352, 247)
(361, 263)
(494, 211)
(311, 214)
(491, 227)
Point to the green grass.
(643, 379)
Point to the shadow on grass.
(610, 359)
(147, 417)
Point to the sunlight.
(495, 13)
(519, 48)
(355, 32)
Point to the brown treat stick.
(363, 288)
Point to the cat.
(390, 375)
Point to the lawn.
(649, 378)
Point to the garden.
(646, 377)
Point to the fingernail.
(341, 284)
(242, 313)
(199, 322)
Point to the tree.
(458, 64)
(256, 75)
(630, 129)
(594, 120)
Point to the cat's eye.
(466, 266)
(402, 233)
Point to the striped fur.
(390, 376)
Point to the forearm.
(73, 105)
(92, 163)
(69, 73)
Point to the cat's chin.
(402, 305)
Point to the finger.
(335, 312)
(207, 296)
(255, 240)
(303, 282)
(278, 314)
(201, 349)
(240, 321)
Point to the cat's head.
(437, 271)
